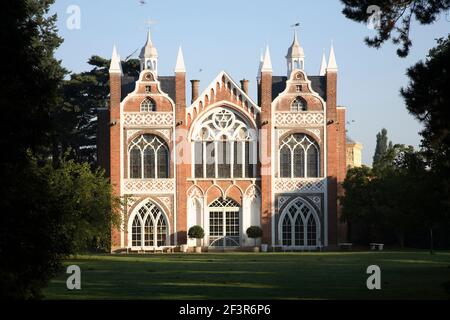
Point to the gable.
(223, 89)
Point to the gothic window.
(148, 105)
(225, 147)
(299, 225)
(299, 157)
(299, 104)
(148, 158)
(149, 228)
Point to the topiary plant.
(196, 232)
(254, 232)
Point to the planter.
(255, 249)
(198, 249)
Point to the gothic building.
(224, 161)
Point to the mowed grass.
(405, 275)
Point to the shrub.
(254, 232)
(196, 232)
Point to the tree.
(254, 232)
(395, 18)
(381, 147)
(76, 118)
(428, 98)
(50, 209)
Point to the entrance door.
(224, 223)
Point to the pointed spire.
(179, 67)
(332, 65)
(115, 66)
(323, 65)
(148, 50)
(267, 63)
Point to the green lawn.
(405, 275)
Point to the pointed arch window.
(148, 158)
(298, 105)
(299, 157)
(224, 147)
(148, 105)
(300, 226)
(149, 227)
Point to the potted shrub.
(255, 232)
(196, 232)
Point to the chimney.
(244, 85)
(195, 86)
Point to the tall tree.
(48, 212)
(428, 98)
(381, 148)
(394, 18)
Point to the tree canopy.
(395, 18)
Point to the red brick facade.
(257, 195)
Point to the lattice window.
(148, 158)
(298, 105)
(224, 223)
(299, 225)
(148, 105)
(299, 157)
(149, 227)
(228, 147)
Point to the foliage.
(196, 232)
(396, 17)
(81, 97)
(400, 201)
(51, 213)
(254, 232)
(382, 147)
(50, 208)
(428, 98)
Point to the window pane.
(163, 163)
(250, 162)
(287, 231)
(299, 231)
(299, 162)
(149, 163)
(136, 232)
(237, 167)
(198, 158)
(313, 162)
(135, 163)
(224, 165)
(148, 232)
(210, 160)
(312, 231)
(285, 162)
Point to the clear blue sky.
(229, 35)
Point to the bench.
(347, 246)
(377, 246)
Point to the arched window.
(299, 157)
(147, 105)
(149, 158)
(299, 104)
(149, 227)
(224, 147)
(299, 225)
